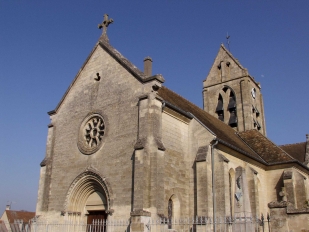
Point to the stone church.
(121, 145)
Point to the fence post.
(268, 219)
(262, 221)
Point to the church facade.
(121, 145)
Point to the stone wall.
(115, 97)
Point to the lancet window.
(220, 109)
(170, 213)
(232, 109)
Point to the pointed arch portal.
(89, 195)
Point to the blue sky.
(43, 44)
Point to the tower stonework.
(232, 95)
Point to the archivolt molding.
(89, 181)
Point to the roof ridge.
(121, 58)
(289, 144)
(127, 64)
(183, 97)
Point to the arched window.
(173, 210)
(220, 109)
(170, 213)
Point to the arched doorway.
(88, 198)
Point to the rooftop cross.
(105, 24)
(228, 40)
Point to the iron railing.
(197, 224)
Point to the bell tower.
(232, 95)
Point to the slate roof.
(266, 149)
(296, 150)
(223, 132)
(19, 215)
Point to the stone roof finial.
(104, 25)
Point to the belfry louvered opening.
(220, 109)
(232, 109)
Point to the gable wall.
(115, 96)
(225, 73)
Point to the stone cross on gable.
(105, 24)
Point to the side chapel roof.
(266, 149)
(297, 150)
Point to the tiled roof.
(2, 227)
(269, 151)
(19, 215)
(220, 129)
(297, 150)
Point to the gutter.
(213, 182)
(178, 110)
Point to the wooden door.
(96, 221)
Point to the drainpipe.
(213, 182)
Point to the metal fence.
(198, 224)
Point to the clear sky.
(43, 44)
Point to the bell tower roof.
(226, 67)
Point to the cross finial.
(105, 24)
(228, 40)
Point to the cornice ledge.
(140, 212)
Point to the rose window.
(91, 134)
(94, 130)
